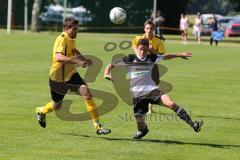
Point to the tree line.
(137, 10)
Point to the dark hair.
(143, 42)
(69, 22)
(149, 22)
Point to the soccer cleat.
(140, 134)
(197, 125)
(100, 130)
(41, 118)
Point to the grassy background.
(207, 86)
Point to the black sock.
(211, 40)
(141, 125)
(182, 114)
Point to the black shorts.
(59, 89)
(140, 104)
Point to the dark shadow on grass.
(219, 117)
(169, 142)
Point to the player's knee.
(88, 96)
(85, 92)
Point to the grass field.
(208, 85)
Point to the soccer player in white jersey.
(144, 90)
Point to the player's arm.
(60, 56)
(107, 72)
(80, 56)
(183, 55)
(123, 61)
(64, 59)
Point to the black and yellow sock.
(91, 107)
(47, 108)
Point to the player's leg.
(141, 126)
(158, 30)
(211, 40)
(198, 33)
(91, 107)
(140, 109)
(182, 35)
(56, 103)
(78, 85)
(181, 113)
(186, 35)
(161, 33)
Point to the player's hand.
(89, 62)
(108, 77)
(150, 47)
(185, 55)
(79, 62)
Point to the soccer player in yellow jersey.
(64, 76)
(156, 46)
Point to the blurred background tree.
(223, 7)
(137, 10)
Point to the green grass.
(207, 85)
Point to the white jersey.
(140, 73)
(184, 23)
(197, 25)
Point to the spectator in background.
(197, 28)
(214, 30)
(159, 21)
(184, 23)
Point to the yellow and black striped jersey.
(62, 72)
(156, 42)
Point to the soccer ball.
(117, 15)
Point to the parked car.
(233, 28)
(55, 14)
(206, 22)
(82, 15)
(224, 22)
(52, 14)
